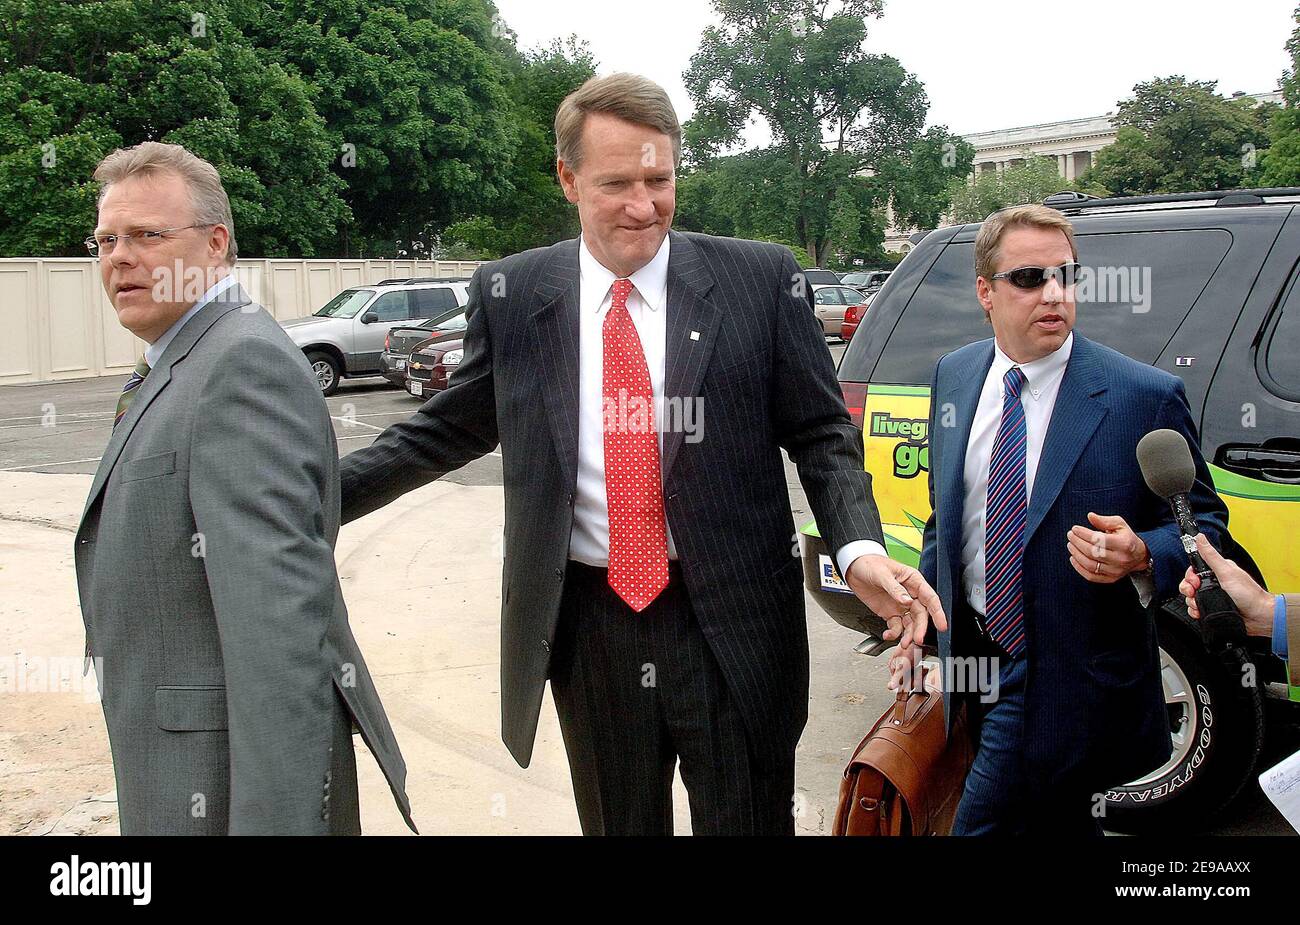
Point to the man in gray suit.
(230, 680)
(650, 569)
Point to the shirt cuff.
(851, 551)
(1279, 628)
(1145, 582)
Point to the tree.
(920, 184)
(1177, 135)
(416, 97)
(835, 112)
(338, 126)
(78, 80)
(1280, 165)
(1031, 181)
(536, 213)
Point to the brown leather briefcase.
(906, 776)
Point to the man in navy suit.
(1045, 544)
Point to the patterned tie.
(638, 535)
(128, 390)
(1004, 546)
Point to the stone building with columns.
(1073, 142)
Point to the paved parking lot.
(425, 607)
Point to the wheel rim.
(1180, 702)
(324, 373)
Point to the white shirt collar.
(651, 281)
(153, 353)
(1040, 371)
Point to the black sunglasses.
(1034, 277)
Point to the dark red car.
(432, 361)
(853, 316)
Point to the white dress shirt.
(153, 353)
(589, 541)
(1038, 396)
(647, 304)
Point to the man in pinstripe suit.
(649, 572)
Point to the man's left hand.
(1107, 553)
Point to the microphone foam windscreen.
(1166, 462)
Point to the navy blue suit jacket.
(1095, 712)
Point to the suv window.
(344, 305)
(1134, 292)
(391, 306)
(430, 303)
(1284, 334)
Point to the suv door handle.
(1268, 463)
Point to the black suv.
(1213, 297)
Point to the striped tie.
(1004, 546)
(128, 391)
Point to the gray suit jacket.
(205, 565)
(742, 342)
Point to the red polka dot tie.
(638, 536)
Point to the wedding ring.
(1097, 570)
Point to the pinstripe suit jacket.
(1095, 713)
(753, 352)
(205, 564)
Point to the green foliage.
(82, 79)
(349, 127)
(1280, 164)
(417, 91)
(836, 114)
(922, 182)
(1176, 136)
(1031, 181)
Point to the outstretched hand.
(899, 595)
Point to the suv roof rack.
(1071, 201)
(399, 281)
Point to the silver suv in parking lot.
(345, 337)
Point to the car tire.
(327, 372)
(1217, 723)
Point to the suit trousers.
(1000, 796)
(636, 693)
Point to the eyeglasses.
(101, 245)
(1034, 277)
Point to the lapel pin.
(695, 335)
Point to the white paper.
(1281, 784)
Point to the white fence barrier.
(56, 321)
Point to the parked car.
(344, 338)
(401, 340)
(1219, 306)
(432, 362)
(853, 316)
(816, 276)
(830, 303)
(868, 281)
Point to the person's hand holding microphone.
(1254, 603)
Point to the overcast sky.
(988, 64)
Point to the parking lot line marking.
(66, 462)
(353, 421)
(67, 414)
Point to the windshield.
(344, 305)
(455, 323)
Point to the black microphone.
(1167, 466)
